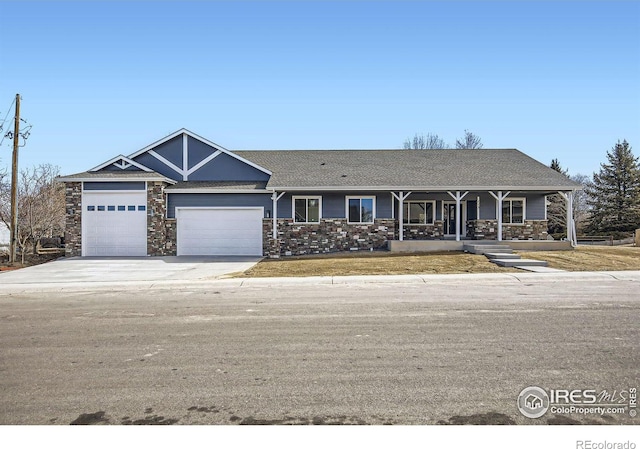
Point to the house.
(5, 237)
(185, 195)
(533, 402)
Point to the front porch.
(337, 234)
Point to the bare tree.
(556, 205)
(581, 208)
(469, 142)
(5, 189)
(41, 205)
(425, 142)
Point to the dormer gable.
(185, 156)
(120, 162)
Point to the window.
(142, 208)
(513, 211)
(111, 208)
(307, 209)
(131, 208)
(418, 212)
(120, 208)
(91, 208)
(361, 209)
(100, 208)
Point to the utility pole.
(14, 185)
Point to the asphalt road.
(449, 351)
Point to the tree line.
(469, 141)
(610, 200)
(41, 205)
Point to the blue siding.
(129, 185)
(383, 205)
(333, 204)
(218, 200)
(171, 150)
(227, 168)
(198, 151)
(535, 206)
(154, 164)
(487, 207)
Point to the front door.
(449, 217)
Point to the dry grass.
(374, 263)
(590, 258)
(583, 258)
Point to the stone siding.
(171, 237)
(424, 232)
(161, 236)
(330, 235)
(73, 220)
(488, 230)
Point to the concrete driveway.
(128, 269)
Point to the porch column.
(499, 197)
(568, 197)
(401, 197)
(275, 197)
(458, 197)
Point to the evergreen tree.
(615, 192)
(557, 206)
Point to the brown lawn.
(590, 258)
(583, 258)
(374, 263)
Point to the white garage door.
(219, 231)
(114, 223)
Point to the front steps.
(503, 255)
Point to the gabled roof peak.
(122, 162)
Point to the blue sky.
(553, 79)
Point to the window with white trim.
(513, 210)
(418, 212)
(361, 209)
(307, 209)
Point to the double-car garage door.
(115, 224)
(219, 231)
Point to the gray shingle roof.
(506, 169)
(115, 175)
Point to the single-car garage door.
(114, 223)
(219, 231)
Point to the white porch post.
(458, 197)
(568, 197)
(499, 197)
(275, 197)
(401, 197)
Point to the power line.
(24, 132)
(5, 121)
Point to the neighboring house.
(5, 237)
(185, 195)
